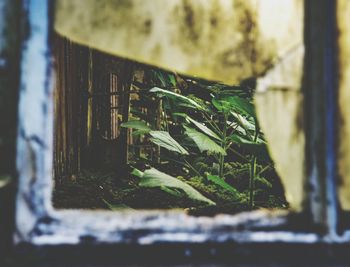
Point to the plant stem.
(233, 129)
(238, 154)
(245, 128)
(191, 167)
(185, 163)
(223, 145)
(212, 123)
(253, 170)
(252, 182)
(165, 117)
(265, 168)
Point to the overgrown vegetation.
(209, 140)
(198, 147)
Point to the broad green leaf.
(220, 105)
(204, 128)
(242, 121)
(180, 114)
(234, 103)
(136, 124)
(191, 102)
(137, 173)
(242, 141)
(220, 182)
(172, 79)
(161, 77)
(238, 128)
(139, 132)
(203, 142)
(259, 148)
(135, 112)
(116, 207)
(155, 178)
(242, 105)
(163, 139)
(170, 191)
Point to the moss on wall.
(224, 40)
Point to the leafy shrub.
(211, 138)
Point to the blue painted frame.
(37, 223)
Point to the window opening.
(197, 143)
(48, 226)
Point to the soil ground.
(92, 189)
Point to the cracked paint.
(36, 221)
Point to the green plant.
(154, 178)
(226, 121)
(212, 133)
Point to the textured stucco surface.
(343, 14)
(226, 40)
(279, 103)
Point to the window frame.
(38, 224)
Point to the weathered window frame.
(38, 224)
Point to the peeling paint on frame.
(38, 223)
